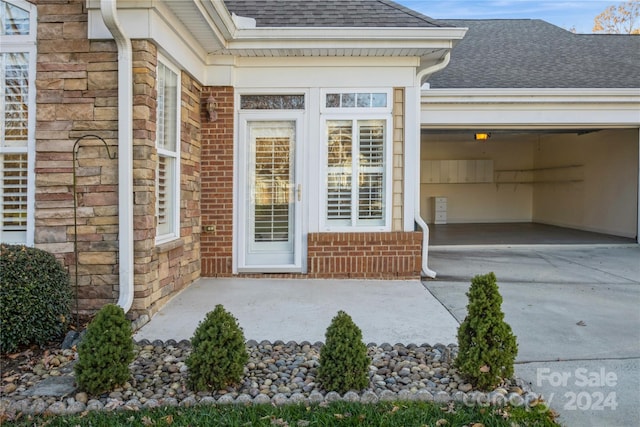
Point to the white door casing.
(269, 192)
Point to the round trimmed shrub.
(219, 352)
(105, 352)
(344, 364)
(487, 348)
(35, 297)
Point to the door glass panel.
(272, 188)
(271, 202)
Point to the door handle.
(299, 191)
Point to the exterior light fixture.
(482, 136)
(211, 108)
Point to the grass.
(404, 414)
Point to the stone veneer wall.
(77, 96)
(217, 184)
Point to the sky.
(565, 14)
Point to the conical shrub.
(344, 364)
(219, 352)
(487, 348)
(105, 352)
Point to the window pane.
(333, 100)
(339, 144)
(273, 194)
(348, 100)
(371, 143)
(339, 177)
(370, 195)
(371, 170)
(364, 100)
(339, 194)
(14, 86)
(167, 108)
(379, 100)
(272, 102)
(13, 177)
(15, 21)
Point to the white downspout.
(422, 74)
(108, 9)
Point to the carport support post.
(638, 199)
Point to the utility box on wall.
(439, 210)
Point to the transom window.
(17, 106)
(356, 100)
(272, 102)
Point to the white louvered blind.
(371, 170)
(13, 177)
(162, 191)
(356, 172)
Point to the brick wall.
(394, 255)
(217, 184)
(76, 95)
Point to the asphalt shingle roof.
(329, 13)
(526, 53)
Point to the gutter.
(423, 75)
(108, 10)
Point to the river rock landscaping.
(277, 373)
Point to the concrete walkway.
(574, 309)
(300, 310)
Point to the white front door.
(269, 196)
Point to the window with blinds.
(167, 143)
(17, 61)
(356, 172)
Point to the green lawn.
(404, 414)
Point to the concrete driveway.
(576, 313)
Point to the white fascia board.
(340, 37)
(530, 108)
(155, 24)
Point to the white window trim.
(175, 220)
(27, 44)
(325, 223)
(356, 114)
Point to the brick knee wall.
(365, 255)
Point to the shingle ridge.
(415, 14)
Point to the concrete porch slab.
(300, 310)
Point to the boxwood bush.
(105, 352)
(35, 297)
(219, 352)
(344, 364)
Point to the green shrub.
(344, 364)
(105, 352)
(487, 348)
(219, 352)
(35, 297)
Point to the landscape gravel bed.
(277, 373)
